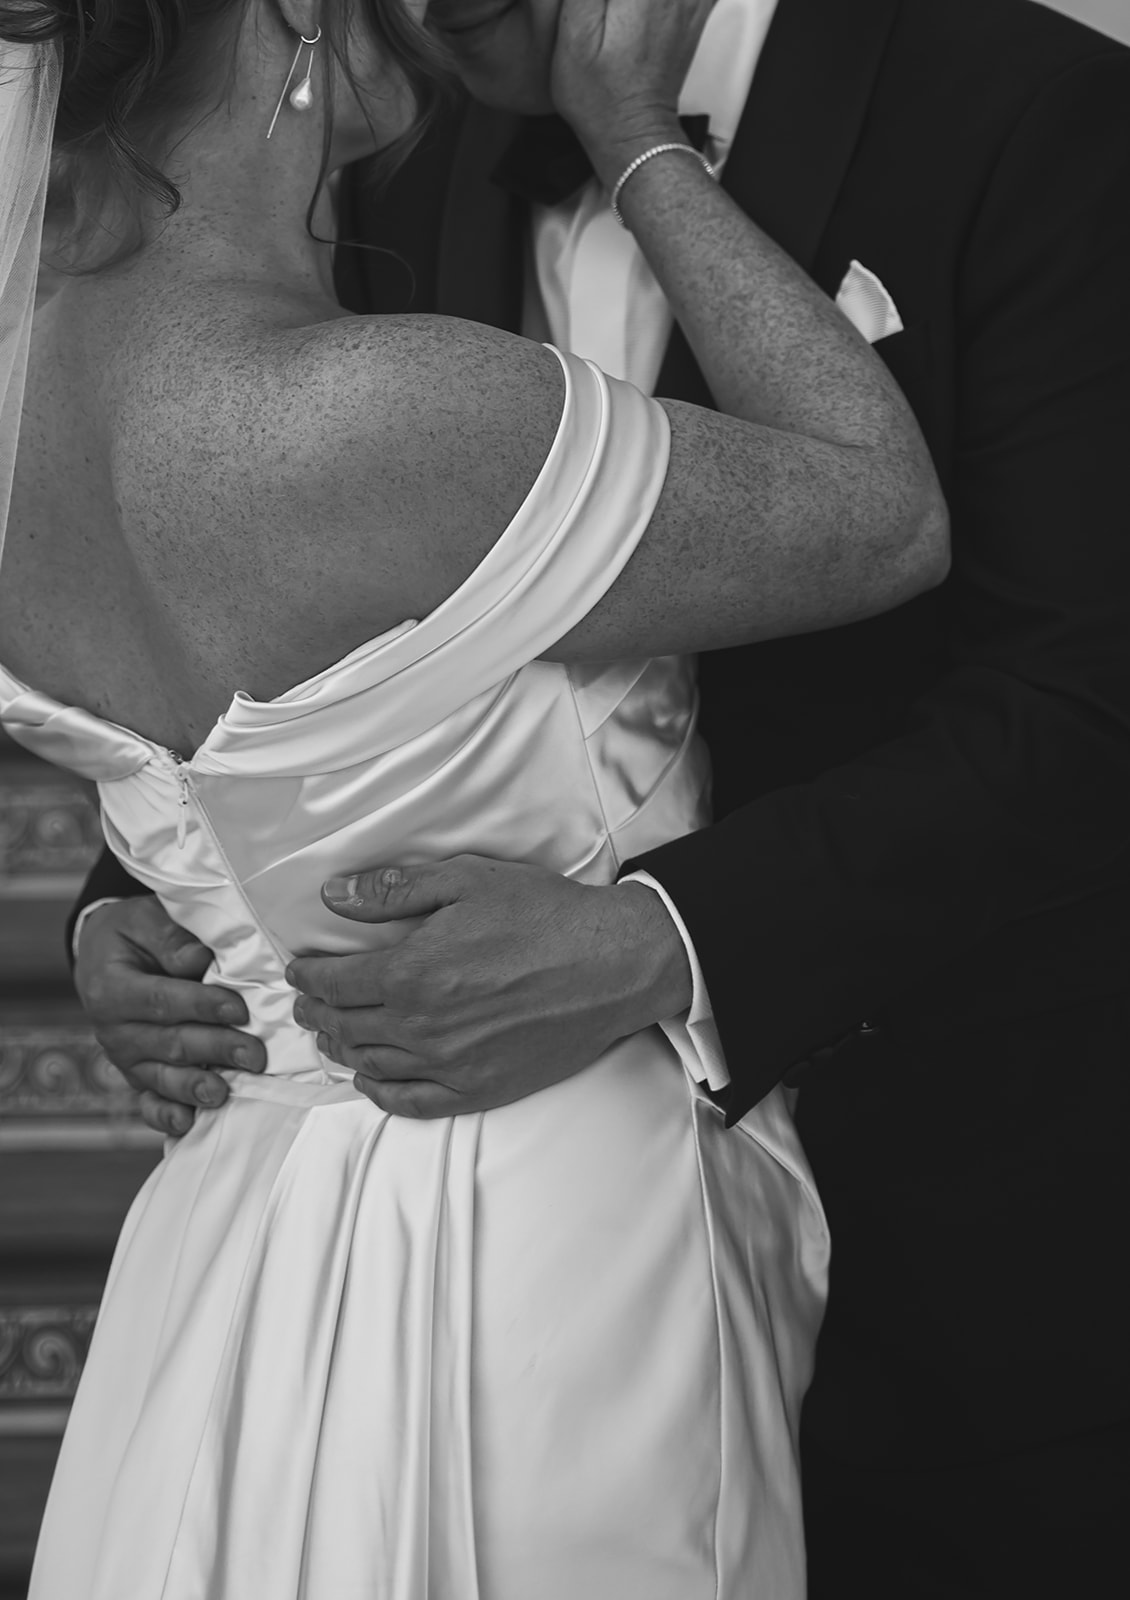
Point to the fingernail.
(230, 1012)
(323, 1043)
(342, 891)
(241, 1056)
(210, 1094)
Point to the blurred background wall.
(72, 1149)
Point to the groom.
(915, 904)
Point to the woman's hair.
(134, 69)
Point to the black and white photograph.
(564, 799)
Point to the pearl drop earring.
(302, 95)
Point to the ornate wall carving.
(58, 1070)
(49, 835)
(42, 1350)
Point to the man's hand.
(138, 976)
(515, 979)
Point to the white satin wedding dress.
(550, 1352)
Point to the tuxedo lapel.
(482, 243)
(796, 136)
(804, 115)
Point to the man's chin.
(503, 65)
(525, 99)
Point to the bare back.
(185, 518)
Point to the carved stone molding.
(49, 834)
(42, 1351)
(59, 1071)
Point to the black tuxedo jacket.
(916, 898)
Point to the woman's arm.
(814, 500)
(809, 499)
(824, 507)
(755, 538)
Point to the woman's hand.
(618, 68)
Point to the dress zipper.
(180, 766)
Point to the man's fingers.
(178, 1001)
(165, 1116)
(182, 1045)
(139, 933)
(386, 894)
(339, 980)
(188, 1086)
(416, 1097)
(359, 1025)
(170, 1002)
(376, 1062)
(182, 955)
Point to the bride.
(299, 590)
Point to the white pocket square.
(867, 304)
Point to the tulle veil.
(29, 91)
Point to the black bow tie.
(546, 162)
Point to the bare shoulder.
(429, 428)
(386, 453)
(426, 372)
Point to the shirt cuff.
(697, 1029)
(80, 920)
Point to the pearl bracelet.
(634, 166)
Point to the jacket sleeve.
(1007, 794)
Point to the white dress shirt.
(591, 291)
